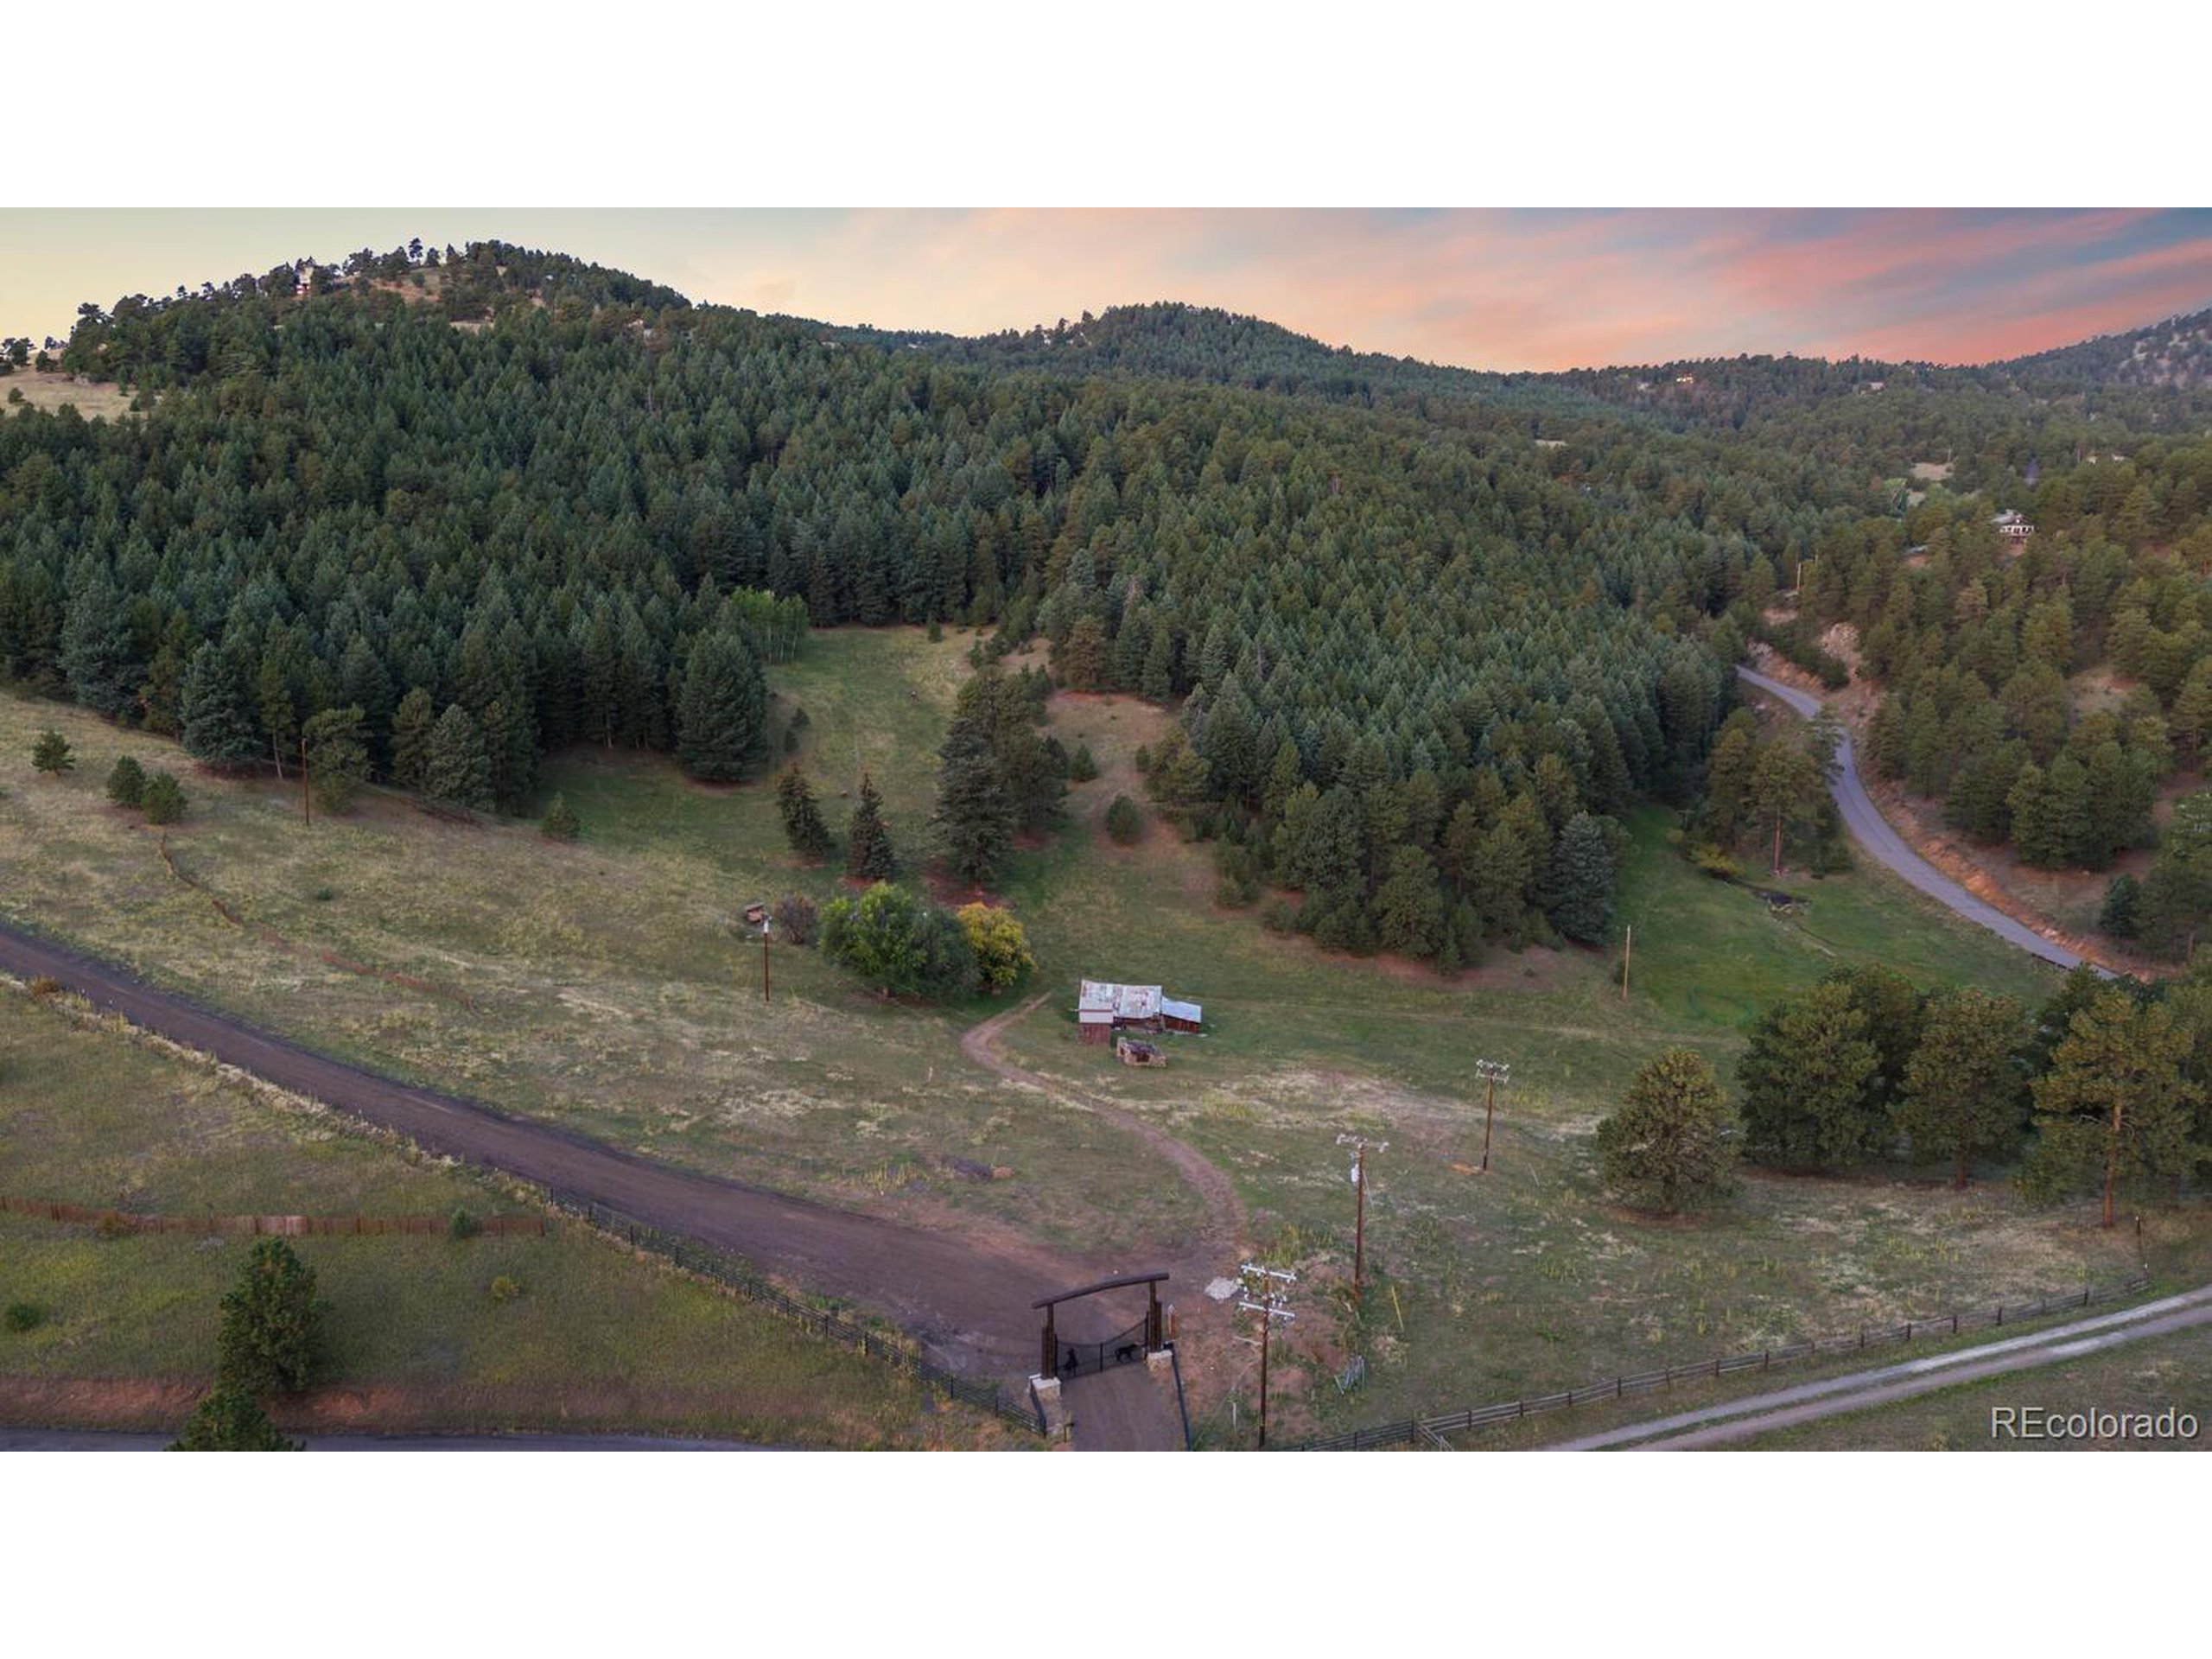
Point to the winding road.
(968, 1304)
(1764, 1413)
(1887, 848)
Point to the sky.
(1511, 289)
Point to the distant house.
(1104, 1007)
(1876, 386)
(2014, 524)
(1685, 380)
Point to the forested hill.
(582, 518)
(1426, 637)
(1169, 340)
(2176, 354)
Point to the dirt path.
(1876, 836)
(1763, 1414)
(969, 1305)
(1217, 1240)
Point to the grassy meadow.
(597, 1337)
(608, 990)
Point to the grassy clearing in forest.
(613, 994)
(597, 1337)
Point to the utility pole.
(1265, 1293)
(764, 960)
(1628, 949)
(306, 800)
(1359, 1224)
(1492, 1072)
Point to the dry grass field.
(602, 986)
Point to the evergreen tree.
(230, 1419)
(337, 757)
(802, 825)
(271, 1340)
(164, 799)
(217, 713)
(721, 717)
(1409, 906)
(1082, 765)
(1581, 886)
(411, 726)
(1805, 1077)
(1124, 820)
(1963, 1086)
(2115, 1110)
(973, 818)
(457, 772)
(1671, 1144)
(2122, 906)
(868, 854)
(126, 783)
(50, 753)
(560, 823)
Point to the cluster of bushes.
(159, 796)
(902, 946)
(2106, 1089)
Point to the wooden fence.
(122, 1221)
(1430, 1431)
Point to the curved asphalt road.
(1872, 831)
(1764, 1413)
(968, 1306)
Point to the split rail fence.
(744, 1280)
(1430, 1431)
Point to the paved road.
(1873, 832)
(968, 1306)
(93, 1439)
(1762, 1414)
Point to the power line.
(1265, 1292)
(1492, 1072)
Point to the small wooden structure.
(1104, 1007)
(755, 914)
(1135, 1050)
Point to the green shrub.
(464, 1225)
(23, 1316)
(164, 798)
(559, 821)
(50, 752)
(1083, 765)
(230, 1419)
(504, 1289)
(126, 782)
(1124, 820)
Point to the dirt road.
(100, 1440)
(1763, 1414)
(1225, 1224)
(1881, 843)
(969, 1305)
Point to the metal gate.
(1082, 1358)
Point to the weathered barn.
(1104, 1007)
